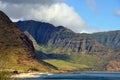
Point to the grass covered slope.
(65, 65)
(100, 51)
(16, 50)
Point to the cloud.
(56, 12)
(32, 1)
(91, 4)
(117, 13)
(2, 5)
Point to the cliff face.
(47, 34)
(110, 39)
(113, 66)
(16, 50)
(60, 38)
(69, 42)
(40, 31)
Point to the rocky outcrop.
(113, 66)
(60, 38)
(110, 39)
(70, 42)
(40, 31)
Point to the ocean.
(78, 76)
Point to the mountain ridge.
(50, 35)
(17, 51)
(80, 48)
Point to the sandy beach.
(27, 75)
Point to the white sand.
(27, 75)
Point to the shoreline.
(39, 74)
(28, 75)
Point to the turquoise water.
(79, 76)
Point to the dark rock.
(60, 38)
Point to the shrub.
(15, 72)
(3, 76)
(33, 69)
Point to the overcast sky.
(78, 15)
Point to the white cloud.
(91, 4)
(58, 13)
(117, 13)
(2, 5)
(32, 1)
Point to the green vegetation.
(9, 61)
(16, 49)
(44, 49)
(92, 61)
(77, 60)
(109, 39)
(33, 69)
(96, 61)
(4, 76)
(99, 48)
(64, 65)
(80, 62)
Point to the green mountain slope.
(60, 39)
(16, 50)
(110, 39)
(94, 50)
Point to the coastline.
(28, 75)
(41, 74)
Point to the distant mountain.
(97, 50)
(60, 38)
(16, 49)
(110, 39)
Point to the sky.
(78, 15)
